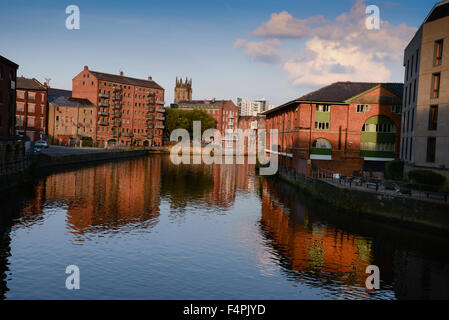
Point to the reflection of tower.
(183, 90)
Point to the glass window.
(433, 117)
(435, 85)
(431, 149)
(438, 53)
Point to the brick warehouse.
(129, 111)
(344, 127)
(31, 111)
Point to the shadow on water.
(313, 240)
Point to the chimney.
(150, 78)
(46, 85)
(121, 73)
(86, 68)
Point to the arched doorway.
(378, 139)
(146, 143)
(321, 149)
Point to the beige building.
(425, 136)
(70, 120)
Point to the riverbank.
(400, 209)
(61, 157)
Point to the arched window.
(321, 143)
(321, 149)
(378, 138)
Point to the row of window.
(379, 127)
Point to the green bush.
(394, 170)
(427, 177)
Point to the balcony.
(151, 92)
(161, 118)
(103, 123)
(161, 110)
(150, 117)
(117, 88)
(104, 95)
(117, 97)
(159, 126)
(117, 114)
(118, 106)
(103, 113)
(128, 134)
(160, 102)
(116, 134)
(149, 125)
(150, 109)
(103, 104)
(150, 101)
(149, 136)
(117, 123)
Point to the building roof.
(440, 10)
(4, 60)
(341, 93)
(29, 84)
(126, 80)
(64, 101)
(54, 94)
(206, 102)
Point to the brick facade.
(31, 110)
(338, 135)
(8, 75)
(129, 111)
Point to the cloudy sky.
(276, 50)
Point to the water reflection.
(323, 248)
(272, 237)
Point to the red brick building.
(225, 112)
(8, 74)
(343, 127)
(254, 123)
(31, 110)
(129, 111)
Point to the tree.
(183, 119)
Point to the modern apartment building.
(130, 111)
(31, 110)
(425, 142)
(225, 112)
(70, 120)
(343, 127)
(252, 108)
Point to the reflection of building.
(425, 129)
(183, 90)
(71, 119)
(311, 247)
(343, 127)
(31, 111)
(130, 111)
(110, 195)
(254, 124)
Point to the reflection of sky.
(166, 39)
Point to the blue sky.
(196, 39)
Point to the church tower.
(183, 90)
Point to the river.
(148, 229)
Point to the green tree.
(183, 119)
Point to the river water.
(149, 229)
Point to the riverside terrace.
(344, 127)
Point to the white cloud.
(340, 50)
(265, 51)
(283, 25)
